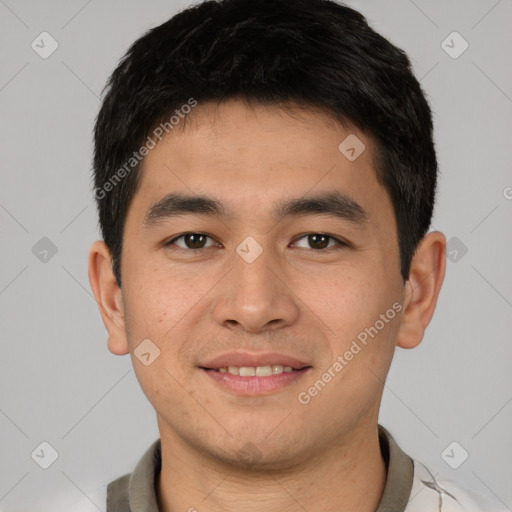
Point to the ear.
(426, 276)
(108, 297)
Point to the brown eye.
(318, 241)
(195, 241)
(192, 241)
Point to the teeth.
(245, 371)
(263, 371)
(256, 371)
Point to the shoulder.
(97, 499)
(438, 493)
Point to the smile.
(254, 381)
(255, 371)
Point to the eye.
(192, 241)
(318, 241)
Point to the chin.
(258, 453)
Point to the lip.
(253, 359)
(255, 386)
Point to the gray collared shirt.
(136, 492)
(410, 487)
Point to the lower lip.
(254, 386)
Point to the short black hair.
(314, 53)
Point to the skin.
(295, 299)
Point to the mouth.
(265, 363)
(255, 380)
(256, 371)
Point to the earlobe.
(426, 277)
(108, 297)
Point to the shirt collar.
(400, 474)
(137, 492)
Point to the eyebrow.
(333, 204)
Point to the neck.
(348, 476)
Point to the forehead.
(248, 155)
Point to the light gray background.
(58, 381)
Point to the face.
(290, 250)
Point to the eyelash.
(339, 243)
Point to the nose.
(255, 297)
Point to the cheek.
(160, 299)
(350, 304)
(162, 308)
(341, 297)
(166, 307)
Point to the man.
(265, 178)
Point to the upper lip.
(253, 359)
